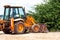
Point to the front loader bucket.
(43, 28)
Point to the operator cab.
(13, 12)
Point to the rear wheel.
(19, 27)
(35, 28)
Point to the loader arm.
(29, 21)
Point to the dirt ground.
(31, 36)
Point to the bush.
(48, 13)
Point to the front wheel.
(35, 28)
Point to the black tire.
(16, 31)
(6, 31)
(33, 28)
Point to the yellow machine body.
(23, 24)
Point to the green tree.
(48, 13)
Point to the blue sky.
(28, 4)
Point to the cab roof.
(8, 6)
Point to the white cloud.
(25, 3)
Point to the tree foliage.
(48, 13)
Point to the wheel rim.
(36, 28)
(20, 27)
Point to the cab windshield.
(14, 12)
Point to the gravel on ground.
(31, 36)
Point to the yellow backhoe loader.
(16, 21)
